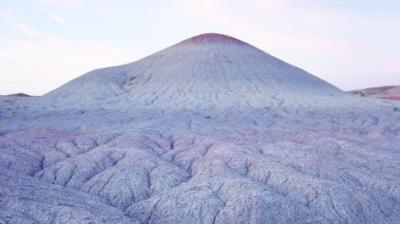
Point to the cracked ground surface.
(255, 166)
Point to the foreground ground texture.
(211, 130)
(257, 166)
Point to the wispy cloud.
(53, 16)
(27, 30)
(46, 6)
(61, 3)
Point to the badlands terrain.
(209, 130)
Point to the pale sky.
(45, 43)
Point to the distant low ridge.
(383, 92)
(18, 95)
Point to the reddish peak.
(213, 38)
